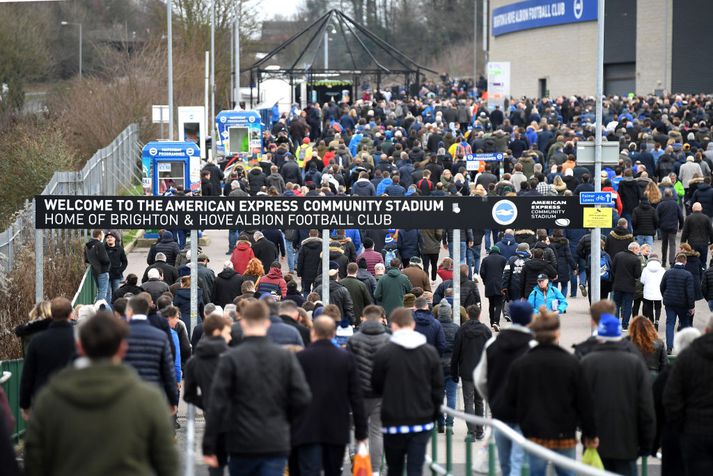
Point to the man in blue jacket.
(678, 297)
(429, 326)
(544, 294)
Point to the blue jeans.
(624, 302)
(102, 281)
(645, 239)
(256, 466)
(710, 306)
(291, 255)
(114, 284)
(564, 287)
(232, 239)
(450, 389)
(671, 314)
(180, 236)
(463, 248)
(473, 258)
(511, 455)
(538, 466)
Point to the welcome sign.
(541, 13)
(222, 213)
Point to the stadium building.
(649, 46)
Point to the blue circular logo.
(504, 212)
(153, 151)
(222, 119)
(189, 151)
(578, 8)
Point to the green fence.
(11, 385)
(87, 289)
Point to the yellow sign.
(597, 217)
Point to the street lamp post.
(169, 51)
(65, 23)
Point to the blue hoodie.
(429, 326)
(507, 245)
(382, 186)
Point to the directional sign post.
(595, 198)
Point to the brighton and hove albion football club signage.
(220, 213)
(541, 13)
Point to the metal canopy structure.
(348, 50)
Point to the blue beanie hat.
(609, 327)
(521, 312)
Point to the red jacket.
(273, 280)
(242, 253)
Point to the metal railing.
(512, 435)
(10, 380)
(111, 169)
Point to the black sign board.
(222, 213)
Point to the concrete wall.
(564, 54)
(653, 45)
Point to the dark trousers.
(652, 310)
(697, 453)
(625, 467)
(702, 248)
(668, 247)
(495, 308)
(306, 287)
(257, 465)
(410, 447)
(309, 460)
(430, 262)
(623, 303)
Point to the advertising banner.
(541, 13)
(221, 213)
(498, 83)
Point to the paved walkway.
(575, 328)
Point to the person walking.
(390, 289)
(253, 408)
(644, 221)
(550, 397)
(264, 250)
(698, 231)
(321, 432)
(450, 328)
(242, 254)
(687, 401)
(96, 256)
(48, 352)
(670, 220)
(408, 376)
(491, 377)
(227, 285)
(468, 345)
(308, 259)
(428, 325)
(626, 271)
(364, 344)
(430, 248)
(491, 272)
(416, 275)
(100, 418)
(117, 262)
(651, 277)
(619, 238)
(678, 297)
(361, 297)
(642, 334)
(149, 352)
(623, 404)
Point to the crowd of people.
(285, 379)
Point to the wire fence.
(111, 171)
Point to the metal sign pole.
(212, 75)
(169, 26)
(597, 232)
(190, 441)
(456, 275)
(325, 267)
(194, 279)
(39, 261)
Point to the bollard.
(468, 455)
(434, 450)
(492, 470)
(449, 450)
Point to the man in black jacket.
(468, 348)
(408, 376)
(626, 270)
(491, 377)
(698, 231)
(320, 433)
(670, 219)
(645, 222)
(533, 268)
(265, 250)
(491, 272)
(227, 285)
(289, 313)
(117, 262)
(623, 402)
(678, 297)
(169, 274)
(549, 395)
(371, 336)
(687, 400)
(48, 352)
(96, 256)
(200, 369)
(308, 259)
(253, 407)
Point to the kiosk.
(191, 127)
(239, 134)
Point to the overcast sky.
(282, 7)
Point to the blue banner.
(540, 13)
(251, 143)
